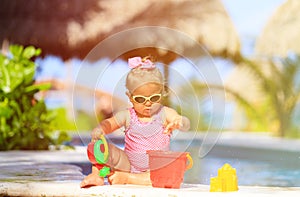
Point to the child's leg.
(118, 160)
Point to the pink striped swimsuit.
(143, 136)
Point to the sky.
(250, 16)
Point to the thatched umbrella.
(281, 35)
(72, 28)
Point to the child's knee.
(118, 158)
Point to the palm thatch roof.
(72, 28)
(281, 34)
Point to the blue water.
(254, 173)
(249, 172)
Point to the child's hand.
(175, 124)
(96, 133)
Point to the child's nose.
(148, 103)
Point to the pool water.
(249, 172)
(254, 173)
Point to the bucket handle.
(190, 162)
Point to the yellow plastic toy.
(226, 181)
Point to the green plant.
(61, 121)
(280, 86)
(24, 120)
(84, 120)
(278, 81)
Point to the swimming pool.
(249, 172)
(255, 166)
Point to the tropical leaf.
(25, 122)
(38, 87)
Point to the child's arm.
(175, 121)
(109, 125)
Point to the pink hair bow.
(137, 62)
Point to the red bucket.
(167, 168)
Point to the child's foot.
(92, 180)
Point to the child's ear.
(128, 94)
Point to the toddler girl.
(148, 126)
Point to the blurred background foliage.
(279, 86)
(276, 108)
(25, 120)
(85, 121)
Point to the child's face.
(146, 99)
